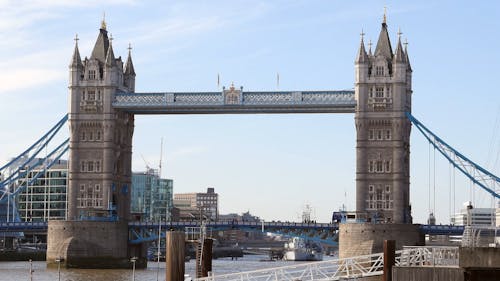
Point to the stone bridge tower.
(383, 94)
(100, 136)
(95, 234)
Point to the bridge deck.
(236, 101)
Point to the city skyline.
(291, 159)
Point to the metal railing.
(347, 268)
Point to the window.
(91, 95)
(91, 136)
(92, 75)
(379, 70)
(97, 187)
(387, 188)
(98, 166)
(371, 92)
(387, 166)
(83, 136)
(379, 167)
(371, 170)
(379, 134)
(98, 95)
(98, 135)
(370, 188)
(82, 167)
(371, 134)
(387, 134)
(82, 187)
(91, 166)
(379, 92)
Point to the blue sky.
(270, 165)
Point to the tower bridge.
(102, 105)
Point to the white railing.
(427, 256)
(346, 268)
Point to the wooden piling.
(389, 259)
(204, 258)
(175, 255)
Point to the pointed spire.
(370, 47)
(383, 47)
(101, 45)
(362, 56)
(400, 55)
(406, 54)
(129, 66)
(103, 22)
(76, 60)
(110, 56)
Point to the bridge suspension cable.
(16, 170)
(477, 174)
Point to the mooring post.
(175, 254)
(204, 258)
(389, 259)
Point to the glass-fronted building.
(45, 198)
(151, 196)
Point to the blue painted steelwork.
(480, 176)
(442, 229)
(58, 152)
(47, 137)
(140, 232)
(236, 101)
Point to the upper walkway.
(236, 101)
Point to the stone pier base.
(92, 244)
(357, 239)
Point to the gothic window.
(82, 187)
(371, 92)
(98, 95)
(92, 75)
(98, 135)
(82, 136)
(370, 188)
(387, 189)
(97, 187)
(91, 166)
(98, 166)
(91, 95)
(387, 134)
(371, 134)
(379, 167)
(91, 136)
(379, 71)
(379, 92)
(370, 169)
(387, 166)
(379, 134)
(82, 169)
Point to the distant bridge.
(140, 232)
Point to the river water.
(19, 271)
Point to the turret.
(129, 72)
(75, 66)
(399, 62)
(362, 62)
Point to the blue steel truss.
(141, 232)
(477, 174)
(236, 101)
(14, 174)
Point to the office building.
(44, 198)
(151, 198)
(195, 205)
